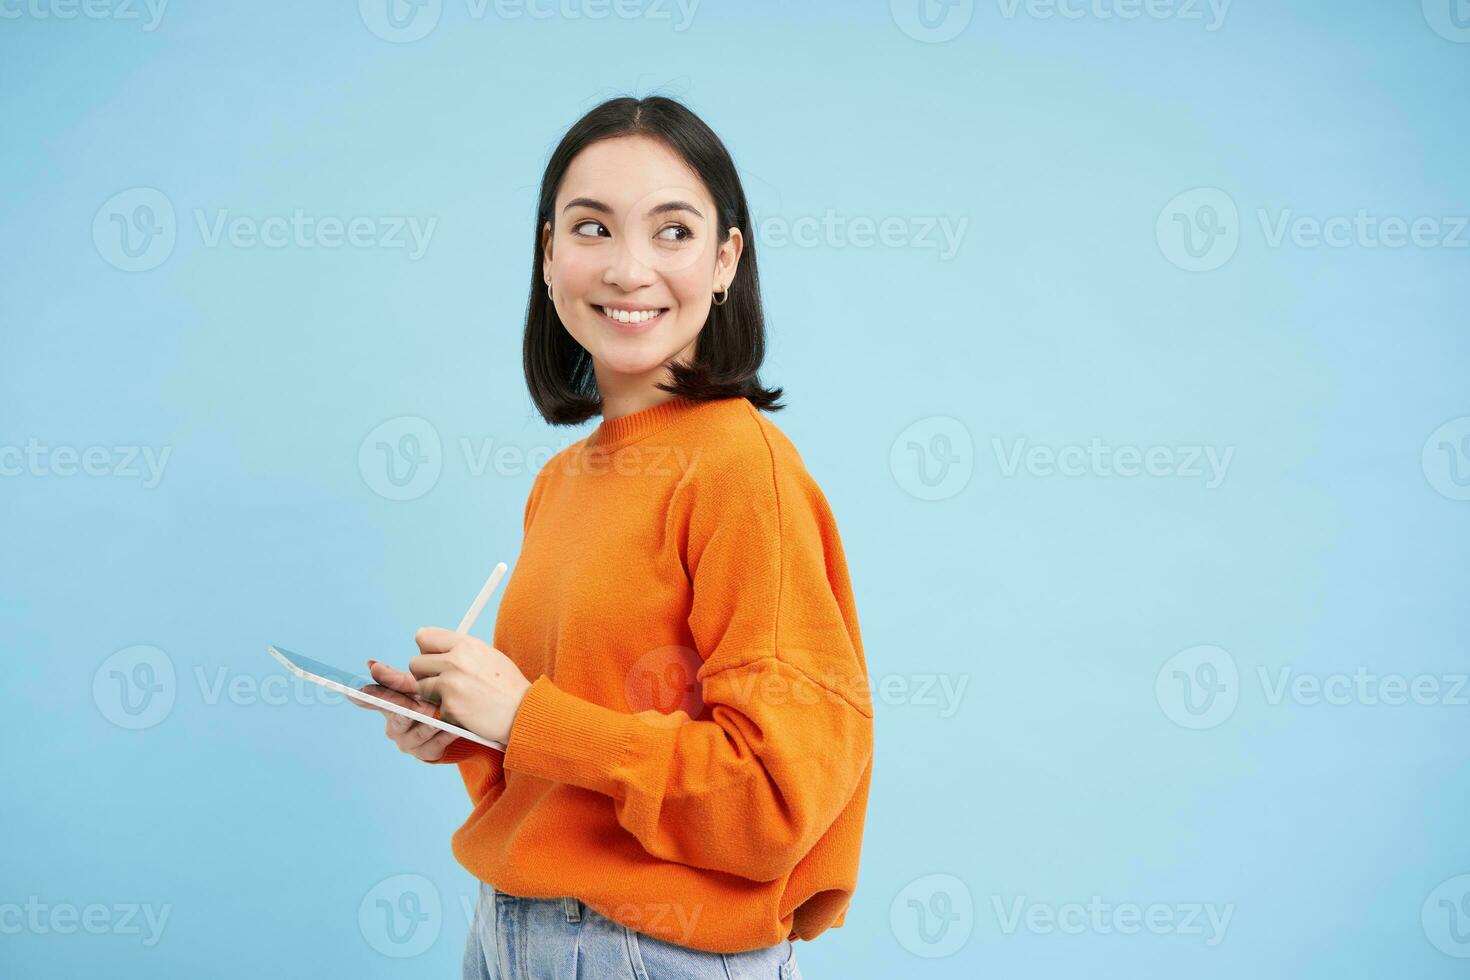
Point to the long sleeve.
(749, 789)
(484, 766)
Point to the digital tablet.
(366, 690)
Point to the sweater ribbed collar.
(616, 433)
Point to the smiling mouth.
(626, 318)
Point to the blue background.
(264, 820)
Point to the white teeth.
(623, 316)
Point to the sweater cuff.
(561, 737)
(459, 750)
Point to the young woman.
(677, 673)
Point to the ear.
(728, 259)
(546, 244)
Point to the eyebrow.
(667, 206)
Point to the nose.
(627, 269)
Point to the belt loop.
(573, 908)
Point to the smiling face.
(634, 260)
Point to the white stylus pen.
(479, 604)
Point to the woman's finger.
(419, 734)
(436, 639)
(392, 677)
(433, 749)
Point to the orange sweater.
(692, 759)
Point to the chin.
(635, 365)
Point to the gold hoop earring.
(724, 295)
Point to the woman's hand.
(475, 685)
(423, 742)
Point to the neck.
(624, 394)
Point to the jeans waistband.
(572, 907)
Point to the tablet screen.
(356, 682)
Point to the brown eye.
(687, 233)
(576, 228)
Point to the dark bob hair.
(731, 345)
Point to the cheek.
(576, 270)
(690, 288)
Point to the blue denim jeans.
(562, 939)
